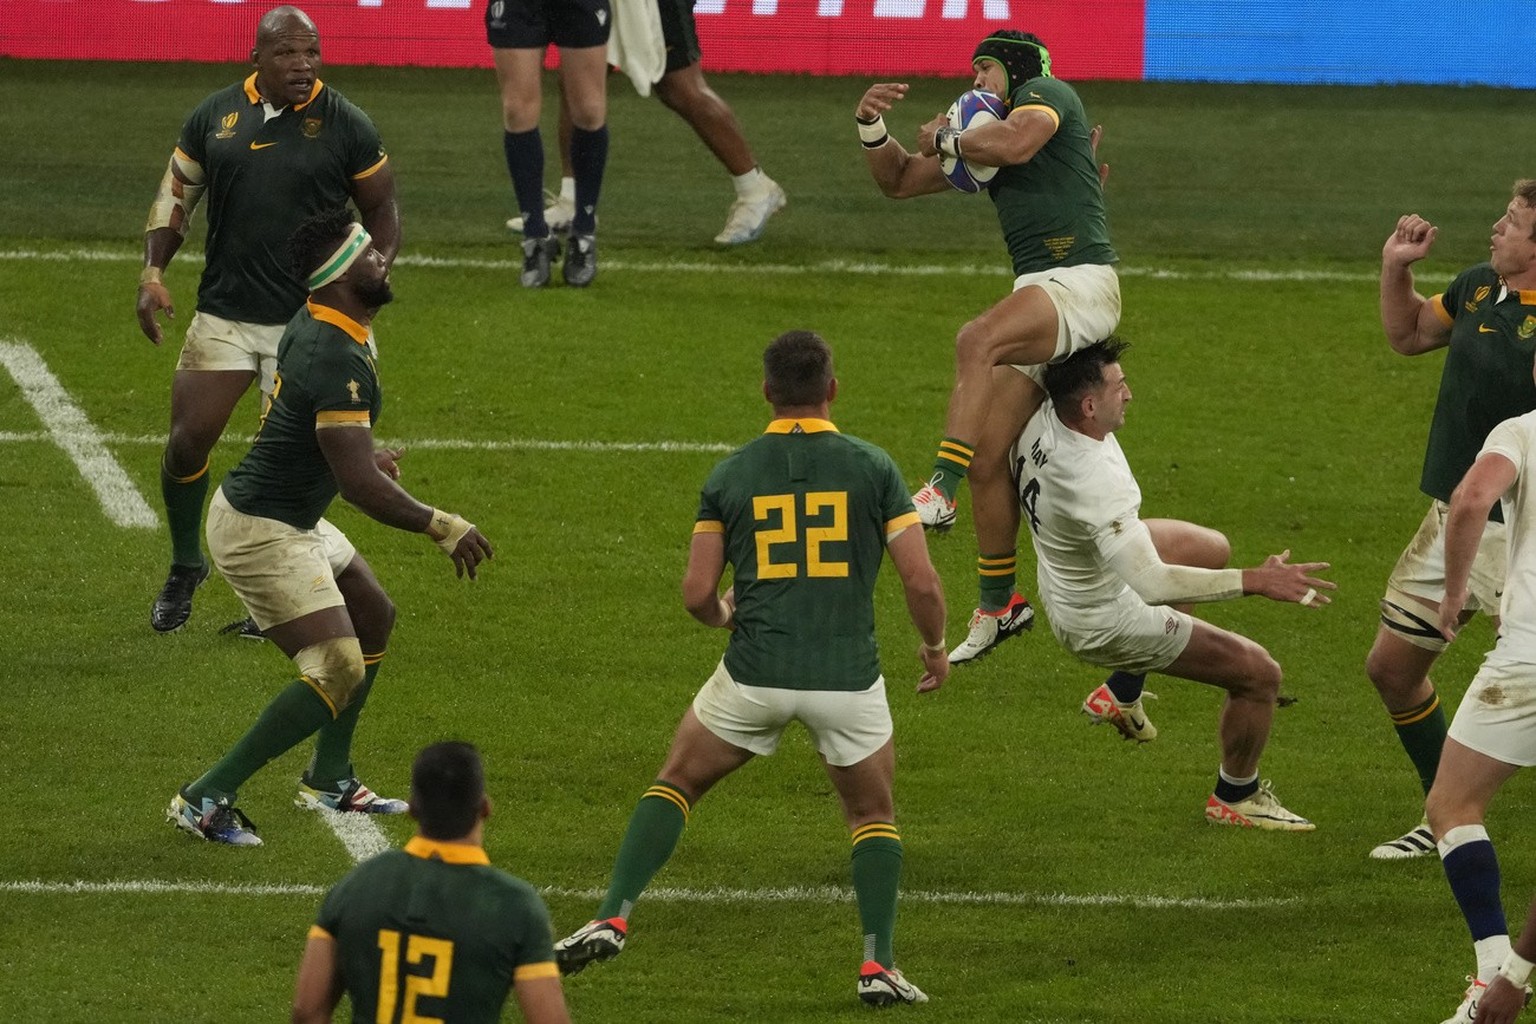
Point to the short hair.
(797, 367)
(447, 787)
(1072, 378)
(1525, 191)
(314, 240)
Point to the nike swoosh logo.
(1485, 329)
(262, 145)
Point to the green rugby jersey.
(434, 932)
(264, 177)
(326, 379)
(1487, 374)
(805, 512)
(1052, 208)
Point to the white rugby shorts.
(1497, 717)
(214, 343)
(279, 572)
(1126, 634)
(845, 725)
(1087, 301)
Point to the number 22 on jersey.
(826, 522)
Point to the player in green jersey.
(433, 932)
(1486, 322)
(265, 154)
(1050, 205)
(303, 582)
(803, 515)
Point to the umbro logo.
(602, 17)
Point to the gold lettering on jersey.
(310, 127)
(1527, 328)
(1059, 247)
(1482, 293)
(227, 126)
(352, 389)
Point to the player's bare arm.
(1490, 477)
(900, 175)
(701, 581)
(1408, 318)
(1005, 143)
(925, 603)
(170, 215)
(319, 988)
(541, 1001)
(351, 455)
(379, 211)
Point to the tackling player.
(1050, 204)
(1111, 581)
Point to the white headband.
(338, 262)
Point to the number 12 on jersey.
(417, 949)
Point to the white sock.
(1234, 781)
(1490, 956)
(754, 182)
(568, 189)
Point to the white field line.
(1256, 275)
(511, 444)
(671, 894)
(358, 833)
(70, 429)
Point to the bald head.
(283, 20)
(287, 57)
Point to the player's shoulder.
(1047, 91)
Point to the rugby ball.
(971, 110)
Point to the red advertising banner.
(820, 37)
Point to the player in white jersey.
(1110, 581)
(1494, 732)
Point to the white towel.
(635, 45)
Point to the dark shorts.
(679, 33)
(534, 24)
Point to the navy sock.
(589, 155)
(1125, 686)
(1472, 868)
(525, 165)
(1231, 791)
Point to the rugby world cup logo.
(227, 126)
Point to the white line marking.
(511, 444)
(357, 832)
(670, 894)
(71, 430)
(1258, 275)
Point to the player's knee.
(973, 344)
(1262, 678)
(186, 451)
(334, 668)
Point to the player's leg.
(1457, 802)
(1118, 700)
(1251, 679)
(201, 404)
(584, 83)
(274, 569)
(1001, 611)
(722, 731)
(685, 91)
(561, 207)
(519, 60)
(1407, 644)
(331, 781)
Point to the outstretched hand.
(1281, 580)
(879, 98)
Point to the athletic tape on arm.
(181, 189)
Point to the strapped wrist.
(937, 648)
(447, 529)
(152, 275)
(873, 133)
(947, 142)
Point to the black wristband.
(866, 120)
